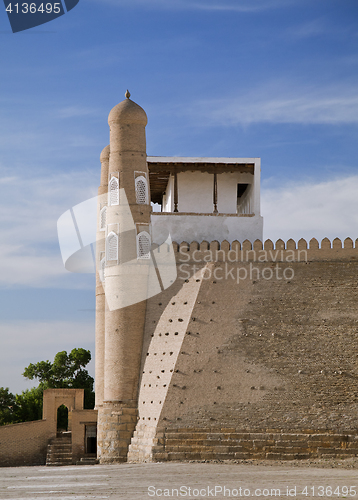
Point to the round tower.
(100, 261)
(127, 246)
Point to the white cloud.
(29, 209)
(25, 342)
(284, 102)
(316, 210)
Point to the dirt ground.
(322, 463)
(324, 479)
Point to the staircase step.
(59, 450)
(87, 461)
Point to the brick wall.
(25, 443)
(270, 340)
(277, 444)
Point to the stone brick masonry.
(271, 359)
(278, 444)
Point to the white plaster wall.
(227, 190)
(195, 192)
(205, 227)
(168, 199)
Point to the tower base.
(116, 424)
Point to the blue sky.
(276, 79)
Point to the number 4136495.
(32, 8)
(329, 491)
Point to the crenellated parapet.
(267, 251)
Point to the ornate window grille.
(141, 190)
(102, 270)
(102, 218)
(113, 191)
(112, 246)
(143, 245)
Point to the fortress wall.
(25, 443)
(260, 354)
(271, 353)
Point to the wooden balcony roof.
(160, 168)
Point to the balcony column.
(176, 192)
(215, 193)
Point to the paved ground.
(183, 480)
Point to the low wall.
(25, 443)
(278, 444)
(80, 418)
(183, 226)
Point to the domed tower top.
(105, 154)
(128, 112)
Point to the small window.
(141, 190)
(113, 191)
(112, 246)
(143, 245)
(102, 218)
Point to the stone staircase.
(59, 450)
(143, 444)
(206, 444)
(88, 460)
(223, 444)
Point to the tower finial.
(127, 94)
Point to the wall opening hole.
(91, 439)
(62, 418)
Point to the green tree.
(7, 406)
(28, 405)
(66, 372)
